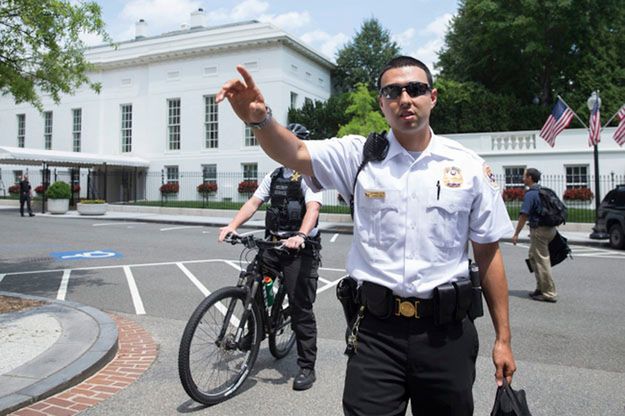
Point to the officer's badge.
(490, 176)
(452, 177)
(295, 176)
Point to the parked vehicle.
(611, 218)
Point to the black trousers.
(25, 199)
(401, 359)
(300, 274)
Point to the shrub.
(578, 194)
(14, 189)
(170, 188)
(59, 190)
(92, 201)
(247, 187)
(207, 187)
(40, 189)
(513, 194)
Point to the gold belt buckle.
(407, 308)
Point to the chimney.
(141, 29)
(197, 18)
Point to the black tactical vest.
(288, 206)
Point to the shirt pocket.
(448, 218)
(380, 220)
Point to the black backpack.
(553, 209)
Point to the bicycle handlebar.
(250, 242)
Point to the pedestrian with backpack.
(535, 210)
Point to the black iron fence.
(230, 190)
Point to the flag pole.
(574, 113)
(610, 120)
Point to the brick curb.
(136, 352)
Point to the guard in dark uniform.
(293, 211)
(25, 190)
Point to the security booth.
(113, 178)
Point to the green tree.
(322, 118)
(537, 49)
(364, 112)
(40, 47)
(362, 59)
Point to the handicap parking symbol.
(85, 255)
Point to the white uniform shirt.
(262, 192)
(413, 218)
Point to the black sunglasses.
(414, 89)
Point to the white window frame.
(249, 138)
(47, 130)
(576, 175)
(508, 175)
(125, 111)
(21, 130)
(172, 174)
(211, 122)
(76, 129)
(209, 173)
(250, 171)
(173, 123)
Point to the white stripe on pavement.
(63, 287)
(180, 227)
(2, 277)
(194, 279)
(103, 224)
(134, 291)
(334, 237)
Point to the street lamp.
(594, 98)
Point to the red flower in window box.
(169, 188)
(40, 189)
(247, 187)
(578, 194)
(207, 188)
(513, 194)
(14, 189)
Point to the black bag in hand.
(509, 402)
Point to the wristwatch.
(263, 122)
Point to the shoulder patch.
(490, 176)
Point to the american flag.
(559, 119)
(619, 134)
(595, 125)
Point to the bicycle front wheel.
(282, 338)
(212, 365)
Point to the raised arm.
(249, 105)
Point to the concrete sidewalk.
(49, 348)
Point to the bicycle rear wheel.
(282, 339)
(211, 365)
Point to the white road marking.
(328, 286)
(334, 237)
(2, 277)
(63, 287)
(324, 280)
(104, 224)
(180, 227)
(233, 264)
(194, 279)
(134, 291)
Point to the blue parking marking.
(85, 255)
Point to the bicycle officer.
(293, 213)
(417, 204)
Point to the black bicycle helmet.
(300, 131)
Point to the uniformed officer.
(414, 214)
(294, 209)
(25, 191)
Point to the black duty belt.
(383, 303)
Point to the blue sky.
(417, 25)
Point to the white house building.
(157, 104)
(156, 120)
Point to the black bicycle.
(220, 342)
